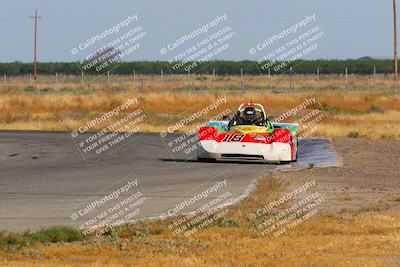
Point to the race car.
(250, 134)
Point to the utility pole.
(36, 17)
(395, 45)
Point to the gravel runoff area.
(368, 181)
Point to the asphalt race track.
(43, 179)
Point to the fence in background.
(286, 82)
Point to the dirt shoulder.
(368, 181)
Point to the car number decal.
(233, 138)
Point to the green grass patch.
(12, 242)
(377, 109)
(229, 223)
(353, 134)
(46, 90)
(67, 90)
(56, 234)
(15, 242)
(29, 89)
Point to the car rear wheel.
(206, 159)
(294, 144)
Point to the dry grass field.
(368, 109)
(127, 83)
(362, 240)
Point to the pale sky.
(352, 28)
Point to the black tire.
(297, 154)
(206, 160)
(295, 160)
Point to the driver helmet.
(250, 114)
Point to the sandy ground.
(368, 181)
